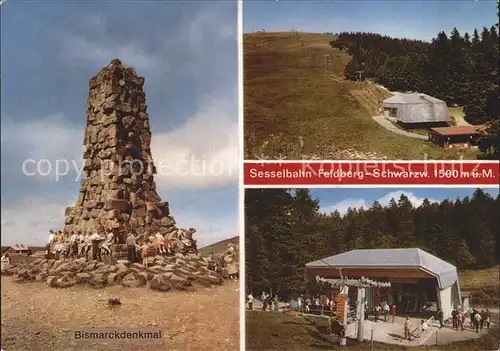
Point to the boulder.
(112, 268)
(147, 275)
(156, 269)
(185, 273)
(137, 266)
(66, 281)
(170, 268)
(121, 267)
(41, 277)
(83, 278)
(22, 273)
(133, 280)
(160, 283)
(98, 280)
(204, 281)
(113, 279)
(215, 279)
(52, 281)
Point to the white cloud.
(201, 154)
(29, 220)
(415, 200)
(50, 138)
(79, 49)
(202, 30)
(344, 205)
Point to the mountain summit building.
(417, 278)
(416, 108)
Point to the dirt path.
(461, 122)
(37, 317)
(392, 128)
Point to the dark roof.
(445, 273)
(450, 131)
(21, 248)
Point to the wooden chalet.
(21, 249)
(448, 137)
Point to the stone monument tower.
(118, 191)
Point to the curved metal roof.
(445, 272)
(412, 98)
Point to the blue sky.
(409, 19)
(187, 52)
(342, 199)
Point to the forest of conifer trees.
(284, 229)
(460, 68)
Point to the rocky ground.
(193, 307)
(182, 272)
(37, 317)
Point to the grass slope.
(294, 87)
(219, 246)
(482, 284)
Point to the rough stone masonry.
(119, 191)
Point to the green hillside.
(220, 246)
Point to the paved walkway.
(448, 335)
(384, 122)
(389, 333)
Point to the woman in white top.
(250, 301)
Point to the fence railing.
(418, 331)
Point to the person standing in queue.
(440, 318)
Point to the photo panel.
(372, 268)
(120, 176)
(371, 80)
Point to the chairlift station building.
(416, 277)
(416, 108)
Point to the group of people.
(69, 244)
(269, 302)
(478, 319)
(417, 332)
(62, 244)
(313, 304)
(225, 262)
(382, 309)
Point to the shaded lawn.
(483, 285)
(278, 331)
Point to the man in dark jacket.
(440, 318)
(454, 318)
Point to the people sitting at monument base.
(97, 245)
